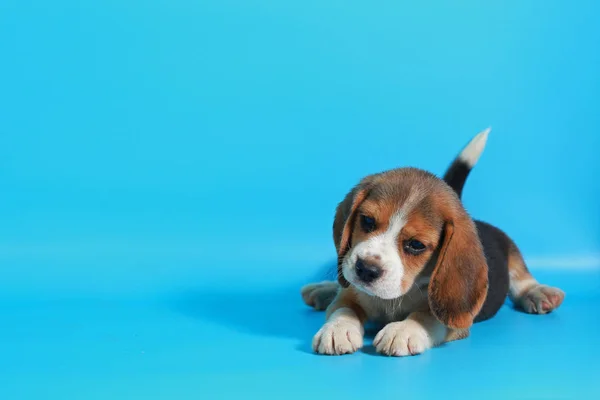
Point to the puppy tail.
(457, 173)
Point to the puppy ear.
(459, 283)
(344, 222)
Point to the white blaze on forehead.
(385, 247)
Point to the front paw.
(404, 338)
(336, 338)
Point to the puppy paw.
(404, 338)
(319, 295)
(336, 338)
(541, 299)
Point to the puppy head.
(406, 224)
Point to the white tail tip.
(471, 153)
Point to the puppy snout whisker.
(367, 271)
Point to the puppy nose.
(367, 272)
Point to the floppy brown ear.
(459, 283)
(343, 224)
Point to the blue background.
(170, 169)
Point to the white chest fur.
(382, 311)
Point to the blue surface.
(170, 170)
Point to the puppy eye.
(367, 223)
(414, 247)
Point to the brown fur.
(525, 291)
(347, 299)
(518, 272)
(459, 282)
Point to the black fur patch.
(456, 176)
(496, 246)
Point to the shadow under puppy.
(411, 258)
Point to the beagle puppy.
(411, 259)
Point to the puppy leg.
(344, 330)
(418, 332)
(525, 292)
(320, 295)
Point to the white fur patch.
(385, 246)
(471, 153)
